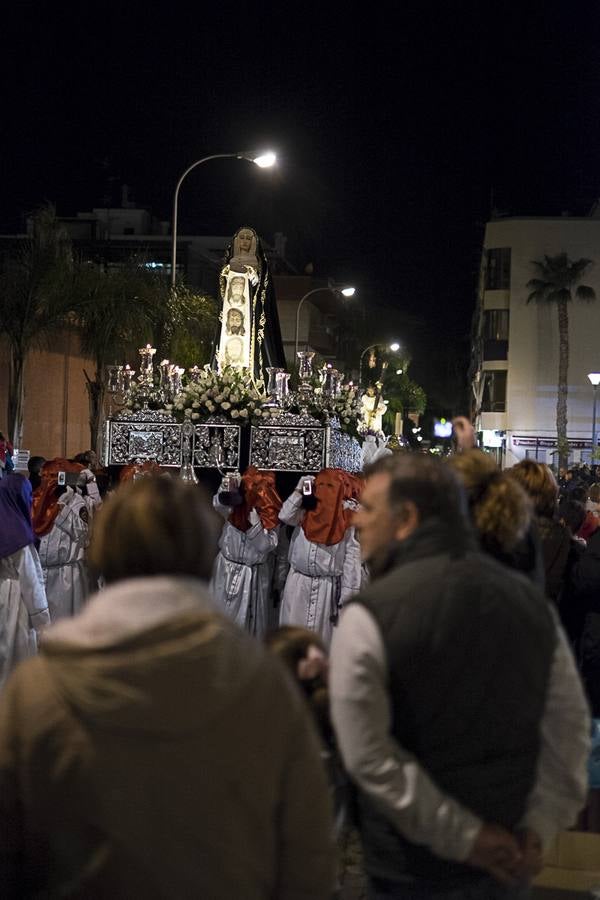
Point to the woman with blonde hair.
(540, 484)
(501, 513)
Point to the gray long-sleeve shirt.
(403, 790)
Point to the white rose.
(244, 413)
(203, 397)
(226, 405)
(235, 398)
(195, 404)
(188, 413)
(234, 413)
(219, 397)
(195, 416)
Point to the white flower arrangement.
(231, 393)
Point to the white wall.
(533, 334)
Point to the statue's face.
(245, 240)
(235, 349)
(237, 287)
(235, 318)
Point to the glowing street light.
(394, 347)
(263, 159)
(334, 289)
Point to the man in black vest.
(458, 710)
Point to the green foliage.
(115, 311)
(557, 277)
(195, 323)
(34, 282)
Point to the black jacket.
(580, 611)
(469, 645)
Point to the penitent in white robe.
(62, 553)
(23, 608)
(322, 577)
(241, 584)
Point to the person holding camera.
(324, 553)
(60, 521)
(243, 572)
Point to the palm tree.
(117, 309)
(112, 311)
(33, 287)
(558, 276)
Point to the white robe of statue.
(372, 415)
(321, 577)
(242, 579)
(23, 608)
(62, 553)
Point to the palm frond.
(586, 293)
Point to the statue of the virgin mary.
(249, 334)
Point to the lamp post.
(595, 381)
(345, 291)
(394, 347)
(262, 160)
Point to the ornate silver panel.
(343, 451)
(287, 449)
(126, 440)
(217, 446)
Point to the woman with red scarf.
(23, 604)
(243, 572)
(324, 554)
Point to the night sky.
(397, 128)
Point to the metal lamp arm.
(176, 200)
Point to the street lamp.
(595, 380)
(262, 160)
(345, 291)
(394, 347)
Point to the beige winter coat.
(152, 751)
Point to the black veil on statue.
(267, 345)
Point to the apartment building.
(515, 344)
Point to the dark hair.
(432, 486)
(35, 463)
(579, 493)
(291, 644)
(572, 512)
(84, 458)
(156, 525)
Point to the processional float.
(239, 410)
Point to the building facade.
(56, 404)
(515, 345)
